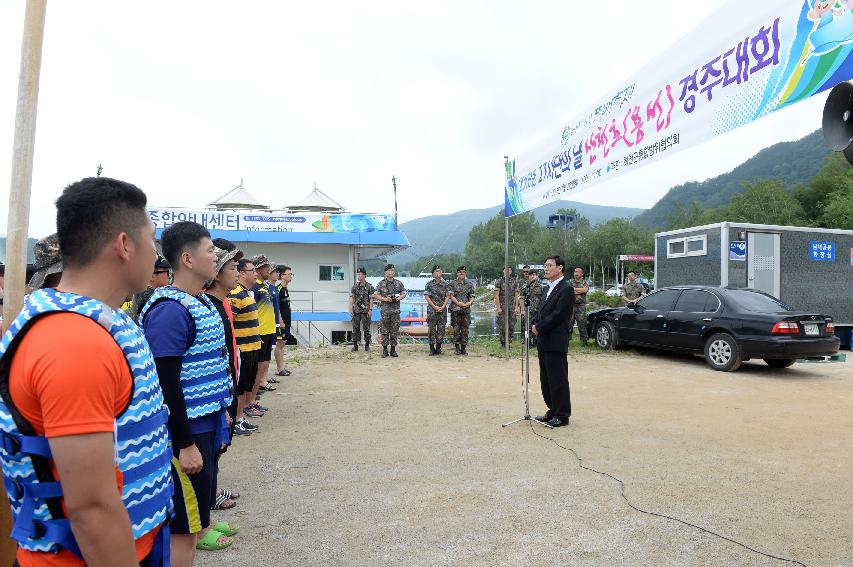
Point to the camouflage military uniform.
(633, 291)
(534, 290)
(460, 318)
(507, 310)
(437, 290)
(362, 294)
(579, 312)
(389, 312)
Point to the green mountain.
(448, 233)
(792, 162)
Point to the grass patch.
(491, 346)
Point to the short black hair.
(284, 268)
(241, 265)
(92, 211)
(361, 270)
(559, 261)
(180, 236)
(526, 266)
(632, 272)
(579, 268)
(224, 244)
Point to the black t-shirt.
(284, 304)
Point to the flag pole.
(506, 263)
(17, 231)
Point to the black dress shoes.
(543, 418)
(558, 421)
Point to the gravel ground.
(364, 461)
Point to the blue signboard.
(822, 251)
(737, 250)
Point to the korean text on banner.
(262, 221)
(745, 61)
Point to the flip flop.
(229, 494)
(209, 541)
(221, 503)
(225, 529)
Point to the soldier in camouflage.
(534, 291)
(579, 313)
(389, 292)
(632, 290)
(513, 304)
(360, 300)
(461, 297)
(437, 295)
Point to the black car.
(728, 325)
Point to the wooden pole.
(17, 231)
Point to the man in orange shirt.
(65, 375)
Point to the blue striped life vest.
(204, 368)
(143, 452)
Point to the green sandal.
(209, 541)
(225, 529)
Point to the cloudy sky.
(184, 99)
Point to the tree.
(448, 262)
(684, 217)
(838, 212)
(765, 202)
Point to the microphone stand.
(525, 367)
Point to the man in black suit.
(552, 325)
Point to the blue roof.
(374, 238)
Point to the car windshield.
(756, 302)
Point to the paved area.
(364, 461)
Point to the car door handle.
(659, 317)
(707, 319)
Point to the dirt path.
(364, 461)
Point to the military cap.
(48, 260)
(389, 267)
(259, 260)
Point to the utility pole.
(394, 183)
(17, 231)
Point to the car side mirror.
(632, 305)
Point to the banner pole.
(17, 228)
(506, 275)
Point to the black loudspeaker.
(838, 120)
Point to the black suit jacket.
(554, 318)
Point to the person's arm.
(276, 307)
(582, 290)
(429, 300)
(169, 373)
(498, 300)
(351, 301)
(446, 300)
(452, 297)
(99, 520)
(402, 293)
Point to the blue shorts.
(194, 492)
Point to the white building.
(317, 238)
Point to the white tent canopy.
(317, 201)
(238, 198)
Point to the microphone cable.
(657, 514)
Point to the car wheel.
(606, 336)
(779, 362)
(722, 352)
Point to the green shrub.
(598, 299)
